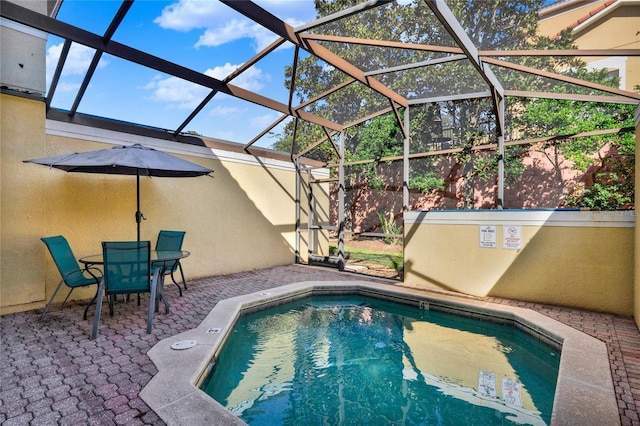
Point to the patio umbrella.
(134, 159)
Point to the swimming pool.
(584, 388)
(360, 360)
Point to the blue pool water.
(351, 360)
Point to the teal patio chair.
(72, 275)
(127, 270)
(170, 241)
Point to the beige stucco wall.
(242, 219)
(615, 27)
(22, 218)
(570, 258)
(636, 296)
(617, 31)
(550, 25)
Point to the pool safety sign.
(512, 237)
(488, 236)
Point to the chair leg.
(96, 320)
(67, 298)
(46, 308)
(176, 284)
(160, 291)
(86, 309)
(184, 282)
(174, 278)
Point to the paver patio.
(51, 373)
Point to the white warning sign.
(488, 236)
(512, 237)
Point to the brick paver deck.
(52, 374)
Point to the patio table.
(159, 261)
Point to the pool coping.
(584, 390)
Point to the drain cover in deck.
(184, 344)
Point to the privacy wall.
(242, 219)
(581, 259)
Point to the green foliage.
(388, 225)
(491, 24)
(306, 134)
(601, 197)
(613, 172)
(513, 165)
(485, 168)
(426, 183)
(548, 117)
(371, 176)
(380, 138)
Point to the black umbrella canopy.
(134, 159)
(124, 160)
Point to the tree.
(609, 181)
(491, 25)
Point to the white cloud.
(236, 30)
(67, 87)
(222, 111)
(263, 121)
(232, 30)
(177, 93)
(240, 29)
(186, 15)
(222, 71)
(153, 83)
(78, 60)
(252, 79)
(185, 95)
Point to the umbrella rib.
(51, 165)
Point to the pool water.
(352, 360)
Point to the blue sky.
(206, 36)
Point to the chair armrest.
(93, 268)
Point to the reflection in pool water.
(358, 360)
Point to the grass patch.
(388, 260)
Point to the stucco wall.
(636, 296)
(22, 216)
(551, 24)
(613, 27)
(242, 219)
(572, 258)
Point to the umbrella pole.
(138, 212)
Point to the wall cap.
(542, 217)
(77, 131)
